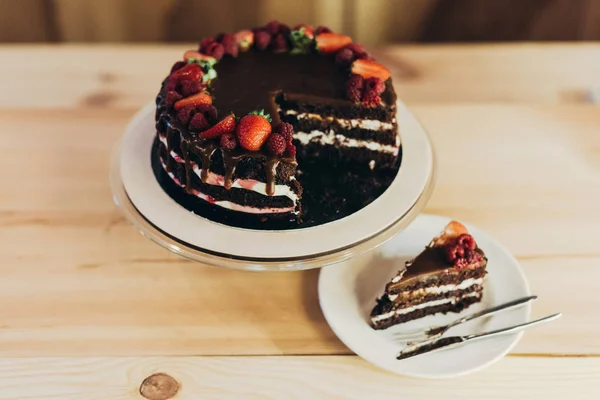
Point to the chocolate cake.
(247, 118)
(446, 277)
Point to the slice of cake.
(446, 277)
(237, 117)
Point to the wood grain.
(78, 280)
(129, 76)
(345, 377)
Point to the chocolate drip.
(189, 144)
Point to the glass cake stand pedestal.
(159, 218)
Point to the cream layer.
(467, 283)
(331, 138)
(228, 204)
(368, 124)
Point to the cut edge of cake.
(447, 276)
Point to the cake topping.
(290, 150)
(280, 43)
(171, 98)
(198, 123)
(191, 72)
(302, 39)
(344, 57)
(178, 65)
(198, 98)
(227, 125)
(209, 111)
(194, 56)
(244, 39)
(230, 45)
(369, 68)
(354, 88)
(323, 29)
(262, 39)
(184, 114)
(228, 141)
(286, 130)
(370, 98)
(375, 84)
(190, 88)
(253, 130)
(276, 144)
(461, 252)
(332, 42)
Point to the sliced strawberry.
(370, 69)
(244, 39)
(191, 72)
(199, 56)
(226, 125)
(308, 30)
(253, 130)
(332, 42)
(198, 98)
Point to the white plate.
(405, 192)
(347, 293)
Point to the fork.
(438, 331)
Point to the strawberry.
(308, 30)
(198, 98)
(253, 130)
(191, 72)
(178, 65)
(244, 39)
(332, 42)
(226, 125)
(199, 56)
(369, 69)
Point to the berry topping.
(209, 111)
(284, 30)
(198, 123)
(375, 84)
(473, 257)
(253, 130)
(354, 88)
(184, 114)
(171, 85)
(344, 57)
(286, 130)
(190, 72)
(244, 39)
(228, 141)
(280, 43)
(453, 252)
(194, 56)
(230, 45)
(262, 40)
(189, 88)
(322, 29)
(226, 125)
(465, 240)
(368, 69)
(370, 98)
(273, 27)
(355, 81)
(305, 30)
(198, 98)
(332, 42)
(215, 50)
(356, 48)
(171, 98)
(178, 65)
(205, 43)
(290, 151)
(461, 263)
(276, 144)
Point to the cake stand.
(155, 215)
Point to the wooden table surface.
(89, 308)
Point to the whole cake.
(248, 119)
(446, 277)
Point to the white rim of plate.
(372, 345)
(145, 193)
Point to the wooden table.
(89, 308)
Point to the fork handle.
(493, 310)
(512, 329)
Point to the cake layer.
(353, 157)
(351, 129)
(443, 306)
(449, 276)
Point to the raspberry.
(364, 56)
(473, 257)
(371, 98)
(354, 94)
(262, 40)
(227, 39)
(355, 81)
(280, 43)
(276, 144)
(215, 50)
(171, 85)
(205, 43)
(184, 115)
(209, 111)
(355, 48)
(466, 241)
(228, 141)
(178, 65)
(290, 151)
(286, 130)
(198, 123)
(453, 252)
(189, 88)
(344, 57)
(171, 98)
(375, 84)
(273, 27)
(230, 45)
(284, 30)
(461, 263)
(322, 29)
